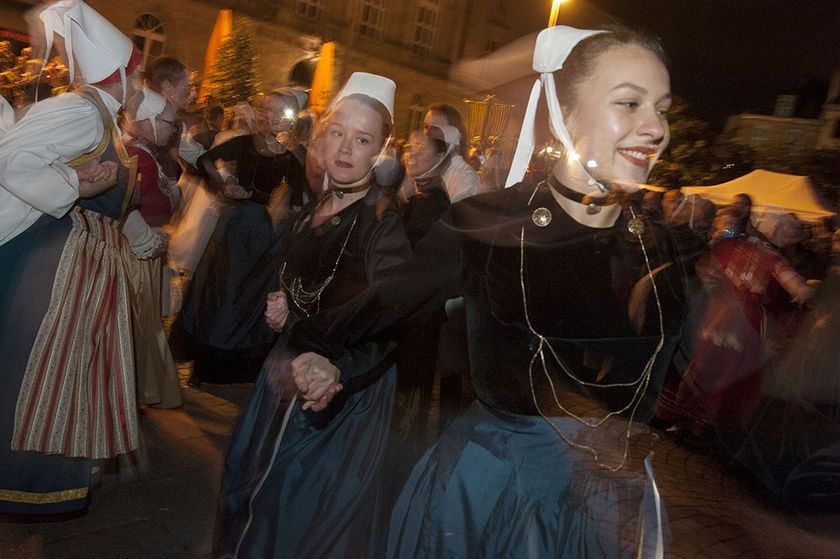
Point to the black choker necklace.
(341, 191)
(593, 203)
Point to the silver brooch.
(592, 209)
(335, 220)
(636, 226)
(541, 217)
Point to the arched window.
(149, 37)
(303, 72)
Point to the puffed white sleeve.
(34, 153)
(145, 241)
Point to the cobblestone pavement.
(169, 511)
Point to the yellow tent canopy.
(769, 192)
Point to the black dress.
(549, 326)
(222, 325)
(313, 492)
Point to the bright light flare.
(555, 11)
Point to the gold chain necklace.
(304, 299)
(539, 354)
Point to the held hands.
(276, 310)
(316, 379)
(96, 177)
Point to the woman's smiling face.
(618, 120)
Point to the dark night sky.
(736, 55)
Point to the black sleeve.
(414, 289)
(228, 151)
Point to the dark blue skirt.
(30, 482)
(316, 493)
(503, 485)
(222, 324)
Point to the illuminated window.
(309, 8)
(425, 27)
(372, 19)
(149, 38)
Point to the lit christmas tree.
(234, 77)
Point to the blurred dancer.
(221, 320)
(150, 123)
(427, 157)
(64, 292)
(722, 386)
(537, 466)
(460, 179)
(301, 480)
(792, 443)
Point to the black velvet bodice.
(577, 284)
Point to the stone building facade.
(781, 132)
(414, 42)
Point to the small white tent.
(769, 192)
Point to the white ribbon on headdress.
(452, 139)
(53, 18)
(151, 106)
(552, 48)
(103, 48)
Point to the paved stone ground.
(169, 511)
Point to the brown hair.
(583, 59)
(165, 69)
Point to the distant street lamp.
(555, 11)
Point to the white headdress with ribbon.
(451, 135)
(150, 107)
(92, 43)
(553, 47)
(452, 139)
